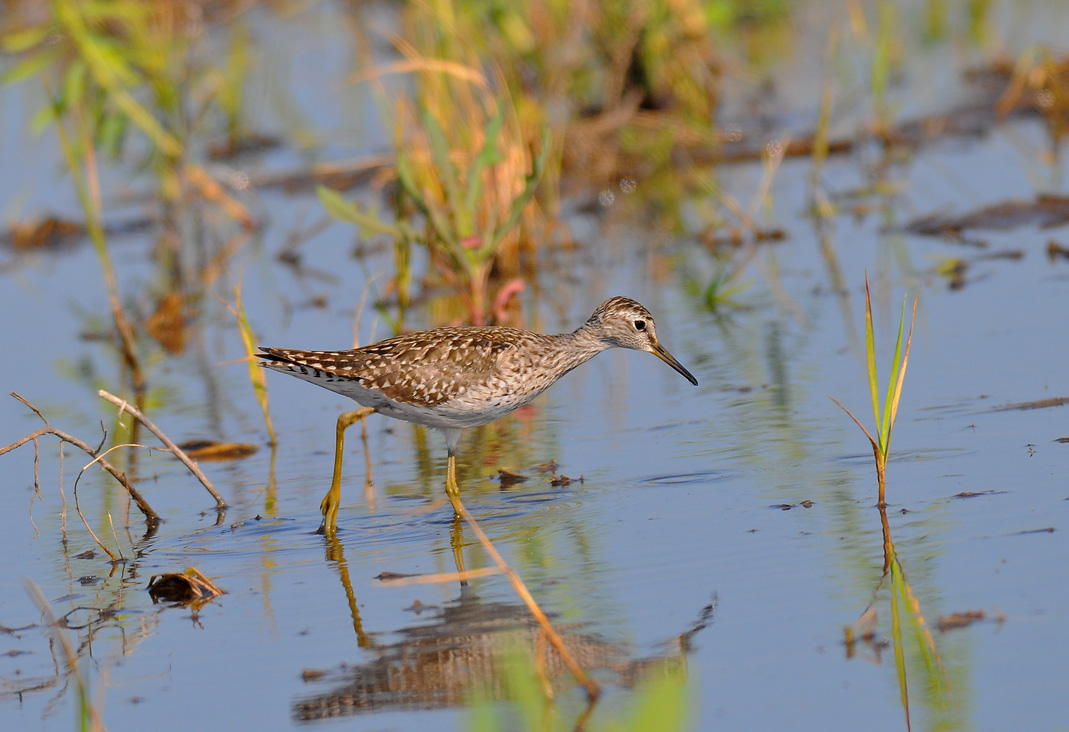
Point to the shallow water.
(678, 527)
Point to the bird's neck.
(579, 347)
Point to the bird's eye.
(640, 325)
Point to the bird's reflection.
(439, 661)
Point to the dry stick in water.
(78, 510)
(431, 579)
(591, 686)
(178, 453)
(63, 497)
(36, 483)
(151, 516)
(115, 536)
(77, 507)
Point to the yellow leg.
(452, 490)
(456, 540)
(332, 500)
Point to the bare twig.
(36, 484)
(28, 438)
(115, 537)
(78, 510)
(429, 579)
(124, 406)
(151, 516)
(62, 494)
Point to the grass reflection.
(909, 628)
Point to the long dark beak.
(662, 353)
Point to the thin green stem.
(96, 235)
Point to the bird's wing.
(425, 368)
(433, 367)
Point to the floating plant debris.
(189, 587)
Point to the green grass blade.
(661, 704)
(905, 362)
(446, 173)
(343, 210)
(111, 132)
(235, 72)
(897, 580)
(530, 185)
(482, 717)
(31, 66)
(148, 124)
(526, 692)
(114, 75)
(882, 56)
(488, 238)
(131, 11)
(892, 384)
(487, 156)
(112, 70)
(256, 374)
(74, 83)
(19, 41)
(42, 118)
(937, 683)
(407, 178)
(870, 351)
(449, 236)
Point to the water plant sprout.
(885, 420)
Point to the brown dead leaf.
(167, 325)
(508, 478)
(189, 587)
